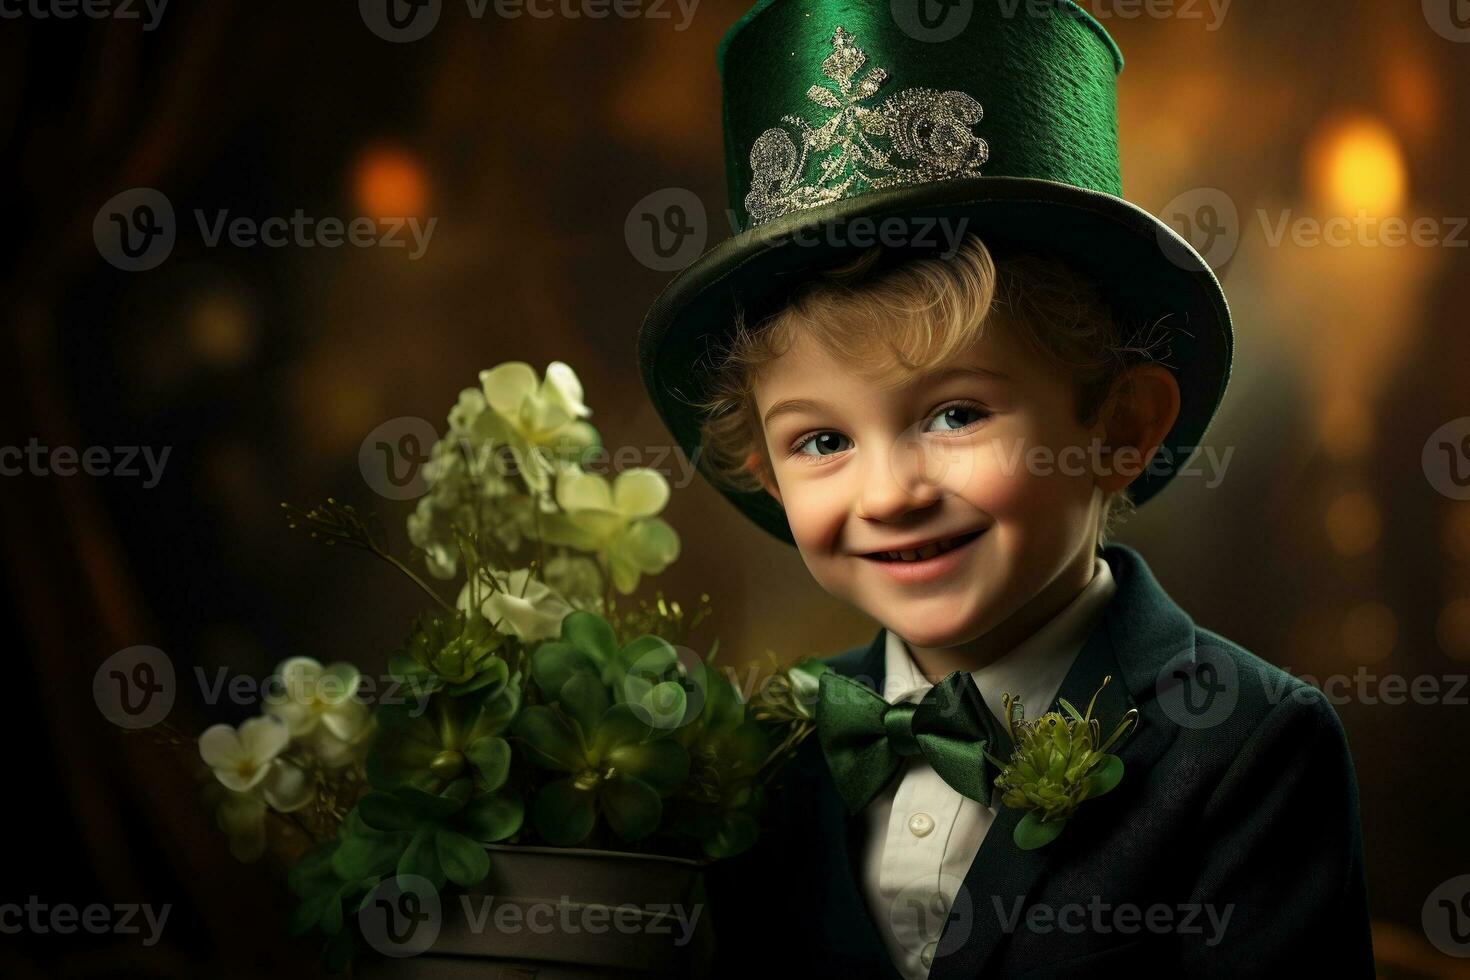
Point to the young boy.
(948, 436)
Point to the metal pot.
(553, 913)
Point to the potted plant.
(550, 765)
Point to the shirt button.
(927, 955)
(921, 824)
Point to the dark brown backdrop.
(1326, 549)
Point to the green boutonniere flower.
(1057, 764)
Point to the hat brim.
(1144, 267)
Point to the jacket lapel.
(1141, 629)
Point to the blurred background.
(1338, 542)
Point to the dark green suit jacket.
(1251, 818)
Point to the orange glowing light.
(1453, 629)
(390, 183)
(221, 331)
(1413, 94)
(1356, 163)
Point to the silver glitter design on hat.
(927, 134)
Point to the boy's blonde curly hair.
(926, 312)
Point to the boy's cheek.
(1000, 485)
(1012, 477)
(816, 521)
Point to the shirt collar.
(1033, 670)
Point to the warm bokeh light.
(1414, 95)
(389, 182)
(1453, 628)
(1355, 163)
(645, 111)
(221, 331)
(337, 406)
(1353, 523)
(1369, 631)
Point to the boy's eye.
(825, 440)
(959, 416)
(954, 418)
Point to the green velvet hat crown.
(1000, 120)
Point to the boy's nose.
(906, 476)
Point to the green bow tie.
(865, 738)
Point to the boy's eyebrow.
(790, 405)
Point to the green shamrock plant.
(616, 764)
(453, 652)
(326, 889)
(438, 837)
(643, 672)
(429, 748)
(726, 749)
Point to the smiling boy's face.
(859, 470)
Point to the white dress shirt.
(922, 835)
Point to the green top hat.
(1001, 115)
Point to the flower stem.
(390, 559)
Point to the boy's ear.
(756, 463)
(1140, 411)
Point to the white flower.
(312, 695)
(249, 776)
(333, 752)
(469, 489)
(540, 422)
(241, 759)
(428, 530)
(617, 522)
(464, 466)
(242, 815)
(286, 787)
(509, 515)
(576, 577)
(466, 411)
(520, 605)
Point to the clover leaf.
(617, 766)
(429, 748)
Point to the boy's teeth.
(928, 551)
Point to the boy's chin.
(935, 636)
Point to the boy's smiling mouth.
(920, 553)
